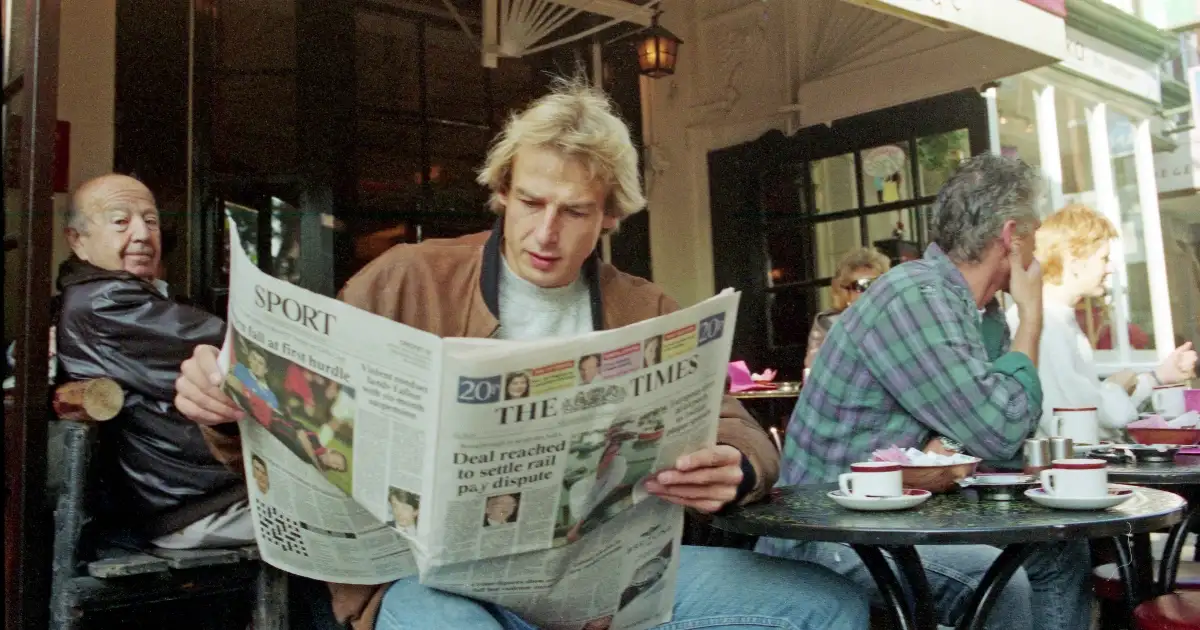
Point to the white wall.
(87, 70)
(86, 87)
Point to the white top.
(1067, 370)
(529, 312)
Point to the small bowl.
(938, 479)
(1183, 437)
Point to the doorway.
(803, 202)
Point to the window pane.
(456, 80)
(1133, 236)
(254, 124)
(515, 82)
(387, 61)
(285, 241)
(791, 313)
(1181, 245)
(834, 239)
(886, 175)
(246, 220)
(254, 100)
(892, 233)
(833, 184)
(939, 155)
(1018, 120)
(389, 167)
(789, 250)
(781, 191)
(1094, 316)
(456, 153)
(1074, 148)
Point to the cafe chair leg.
(992, 584)
(1130, 581)
(909, 562)
(1168, 569)
(889, 587)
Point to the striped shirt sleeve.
(927, 351)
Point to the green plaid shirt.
(912, 359)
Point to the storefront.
(1179, 203)
(1090, 123)
(772, 150)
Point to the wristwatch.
(951, 444)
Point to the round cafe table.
(805, 513)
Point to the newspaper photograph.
(507, 471)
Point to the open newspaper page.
(340, 416)
(511, 472)
(542, 455)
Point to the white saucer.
(1116, 496)
(911, 498)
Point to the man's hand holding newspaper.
(704, 480)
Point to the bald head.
(113, 223)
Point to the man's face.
(122, 227)
(260, 476)
(589, 369)
(500, 509)
(553, 216)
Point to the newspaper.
(510, 472)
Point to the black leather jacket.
(158, 469)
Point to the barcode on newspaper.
(280, 530)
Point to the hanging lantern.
(657, 50)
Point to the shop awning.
(861, 55)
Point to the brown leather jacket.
(449, 288)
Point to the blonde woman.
(1073, 246)
(855, 272)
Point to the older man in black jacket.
(118, 321)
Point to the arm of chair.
(93, 400)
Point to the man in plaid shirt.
(925, 355)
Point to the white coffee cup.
(1078, 423)
(875, 479)
(1081, 478)
(1168, 400)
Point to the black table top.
(806, 513)
(1164, 474)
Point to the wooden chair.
(96, 576)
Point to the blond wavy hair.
(1076, 230)
(578, 121)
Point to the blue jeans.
(1051, 591)
(718, 588)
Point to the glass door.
(806, 201)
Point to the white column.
(1156, 264)
(993, 111)
(1106, 202)
(1049, 153)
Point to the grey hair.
(74, 217)
(985, 192)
